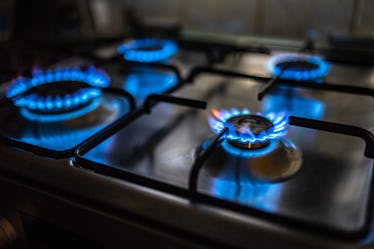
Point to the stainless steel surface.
(240, 175)
(336, 107)
(239, 230)
(163, 146)
(330, 189)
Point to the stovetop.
(166, 147)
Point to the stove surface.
(310, 185)
(165, 144)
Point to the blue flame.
(145, 82)
(322, 67)
(249, 153)
(219, 120)
(33, 105)
(42, 117)
(148, 49)
(235, 151)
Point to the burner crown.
(298, 66)
(148, 49)
(246, 130)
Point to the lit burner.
(148, 49)
(59, 94)
(249, 131)
(298, 66)
(257, 140)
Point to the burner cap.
(148, 49)
(298, 66)
(250, 124)
(249, 131)
(58, 94)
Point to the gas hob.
(270, 148)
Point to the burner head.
(148, 49)
(298, 67)
(249, 131)
(58, 94)
(250, 124)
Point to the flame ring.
(322, 67)
(143, 50)
(219, 120)
(33, 101)
(36, 103)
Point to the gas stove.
(189, 145)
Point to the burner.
(249, 131)
(148, 49)
(250, 124)
(257, 140)
(59, 94)
(298, 67)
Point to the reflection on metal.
(294, 103)
(278, 161)
(261, 195)
(280, 164)
(143, 82)
(67, 134)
